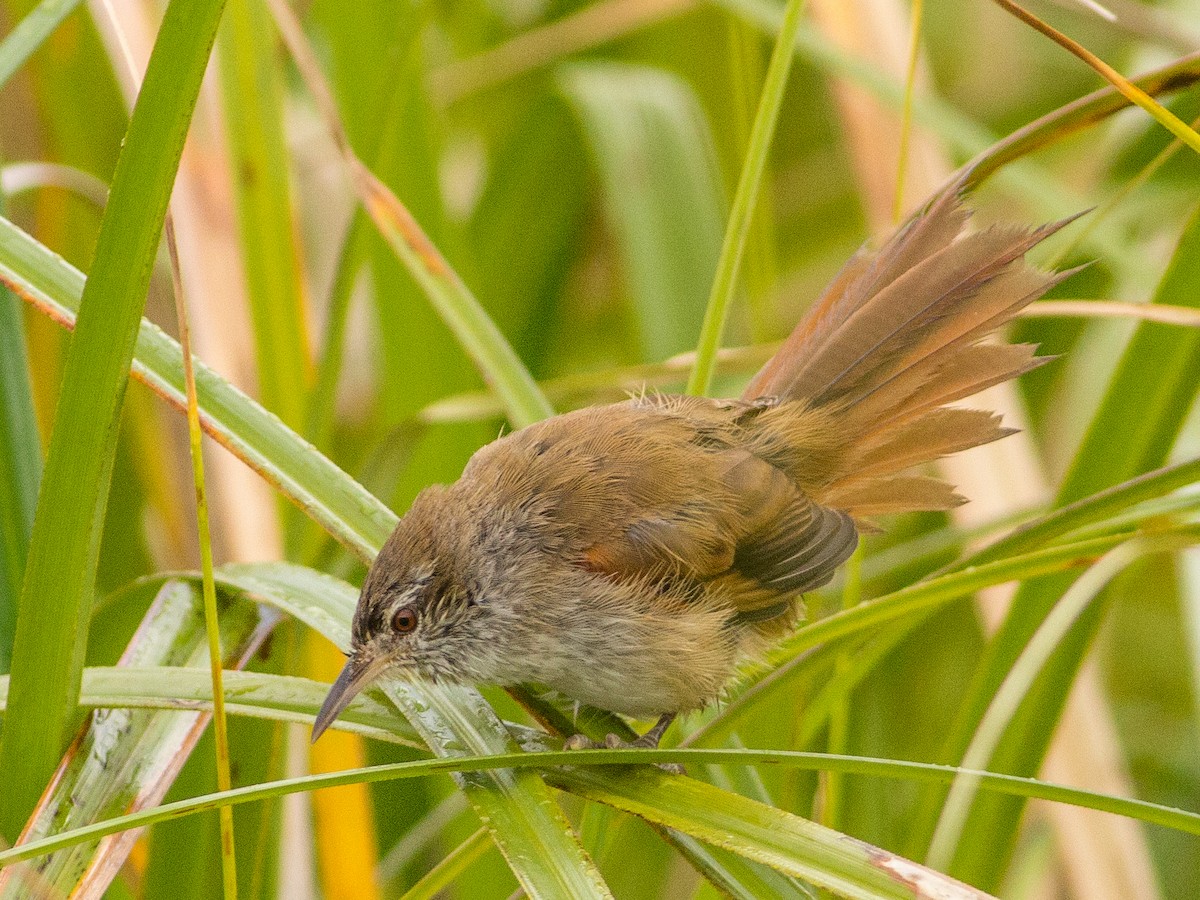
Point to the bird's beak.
(358, 672)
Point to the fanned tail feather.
(895, 338)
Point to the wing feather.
(761, 546)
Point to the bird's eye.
(404, 620)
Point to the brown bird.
(628, 556)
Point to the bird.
(630, 556)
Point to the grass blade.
(270, 256)
(1024, 672)
(212, 625)
(446, 291)
(125, 760)
(1091, 511)
(51, 637)
(910, 81)
(20, 467)
(1130, 91)
(334, 500)
(275, 698)
(738, 227)
(785, 842)
(453, 864)
(1079, 114)
(1182, 820)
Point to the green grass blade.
(925, 594)
(1092, 511)
(453, 864)
(649, 793)
(653, 149)
(785, 842)
(277, 698)
(748, 828)
(910, 81)
(1136, 95)
(736, 876)
(737, 229)
(20, 466)
(286, 698)
(212, 625)
(443, 287)
(1154, 385)
(1024, 672)
(473, 328)
(52, 636)
(516, 805)
(127, 759)
(1077, 115)
(1182, 820)
(30, 33)
(334, 500)
(253, 104)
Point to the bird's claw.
(580, 742)
(616, 742)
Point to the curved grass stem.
(1128, 89)
(211, 623)
(914, 51)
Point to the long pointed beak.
(356, 675)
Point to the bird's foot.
(649, 740)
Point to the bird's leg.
(649, 740)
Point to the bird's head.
(418, 613)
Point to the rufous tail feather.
(895, 338)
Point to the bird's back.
(762, 498)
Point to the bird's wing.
(796, 552)
(788, 544)
(737, 520)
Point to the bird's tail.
(894, 339)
